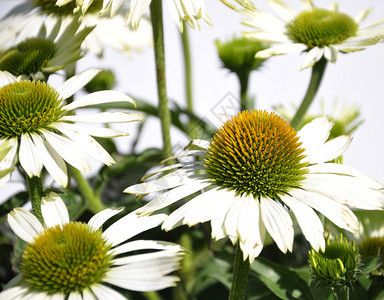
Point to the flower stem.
(158, 42)
(93, 201)
(35, 189)
(316, 77)
(188, 68)
(240, 276)
(245, 103)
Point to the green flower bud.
(336, 267)
(105, 80)
(238, 55)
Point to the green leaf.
(283, 282)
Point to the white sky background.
(356, 78)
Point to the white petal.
(145, 245)
(9, 159)
(329, 150)
(201, 143)
(281, 49)
(54, 164)
(351, 191)
(99, 97)
(171, 180)
(115, 6)
(104, 117)
(278, 223)
(88, 295)
(335, 212)
(264, 22)
(87, 143)
(169, 197)
(330, 53)
(282, 9)
(75, 296)
(14, 293)
(308, 221)
(100, 218)
(68, 150)
(269, 37)
(91, 130)
(252, 244)
(75, 83)
(191, 212)
(232, 219)
(312, 57)
(103, 292)
(137, 9)
(29, 156)
(131, 225)
(24, 224)
(228, 199)
(54, 210)
(6, 78)
(315, 133)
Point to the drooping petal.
(286, 12)
(131, 225)
(281, 49)
(315, 133)
(54, 211)
(6, 78)
(68, 150)
(52, 161)
(145, 245)
(75, 83)
(308, 221)
(278, 223)
(335, 212)
(329, 150)
(137, 9)
(24, 224)
(104, 117)
(100, 218)
(91, 130)
(87, 143)
(312, 57)
(101, 291)
(99, 97)
(169, 197)
(29, 156)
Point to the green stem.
(35, 189)
(316, 77)
(240, 276)
(188, 68)
(244, 100)
(158, 42)
(94, 202)
(151, 296)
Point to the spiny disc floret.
(49, 6)
(26, 107)
(256, 153)
(67, 259)
(321, 27)
(28, 57)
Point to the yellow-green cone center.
(256, 153)
(49, 6)
(26, 107)
(28, 57)
(67, 259)
(320, 27)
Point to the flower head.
(37, 127)
(337, 266)
(72, 259)
(255, 171)
(189, 11)
(319, 32)
(45, 52)
(106, 32)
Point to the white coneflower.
(319, 32)
(37, 127)
(23, 22)
(256, 170)
(74, 260)
(189, 11)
